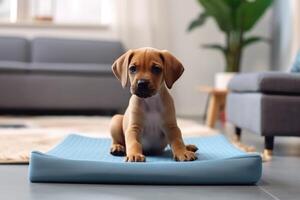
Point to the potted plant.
(234, 18)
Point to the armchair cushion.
(266, 82)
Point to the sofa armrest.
(266, 82)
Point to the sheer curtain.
(141, 23)
(295, 42)
(286, 33)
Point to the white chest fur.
(153, 138)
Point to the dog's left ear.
(173, 68)
(120, 67)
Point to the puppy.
(149, 123)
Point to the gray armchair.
(267, 104)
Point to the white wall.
(257, 57)
(200, 65)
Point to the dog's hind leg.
(191, 147)
(118, 140)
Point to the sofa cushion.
(60, 92)
(72, 68)
(266, 82)
(75, 51)
(14, 49)
(13, 67)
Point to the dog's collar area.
(148, 98)
(153, 97)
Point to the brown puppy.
(149, 123)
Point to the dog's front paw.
(135, 158)
(185, 156)
(117, 150)
(191, 147)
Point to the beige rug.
(42, 133)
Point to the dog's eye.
(132, 69)
(156, 69)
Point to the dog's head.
(147, 69)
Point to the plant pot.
(222, 79)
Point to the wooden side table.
(217, 101)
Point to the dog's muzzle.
(143, 90)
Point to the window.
(8, 9)
(59, 12)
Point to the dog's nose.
(143, 84)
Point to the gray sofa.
(267, 104)
(59, 74)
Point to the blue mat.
(79, 159)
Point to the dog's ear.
(120, 67)
(173, 68)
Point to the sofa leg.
(238, 133)
(268, 151)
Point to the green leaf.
(249, 12)
(220, 11)
(254, 39)
(215, 46)
(234, 4)
(199, 21)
